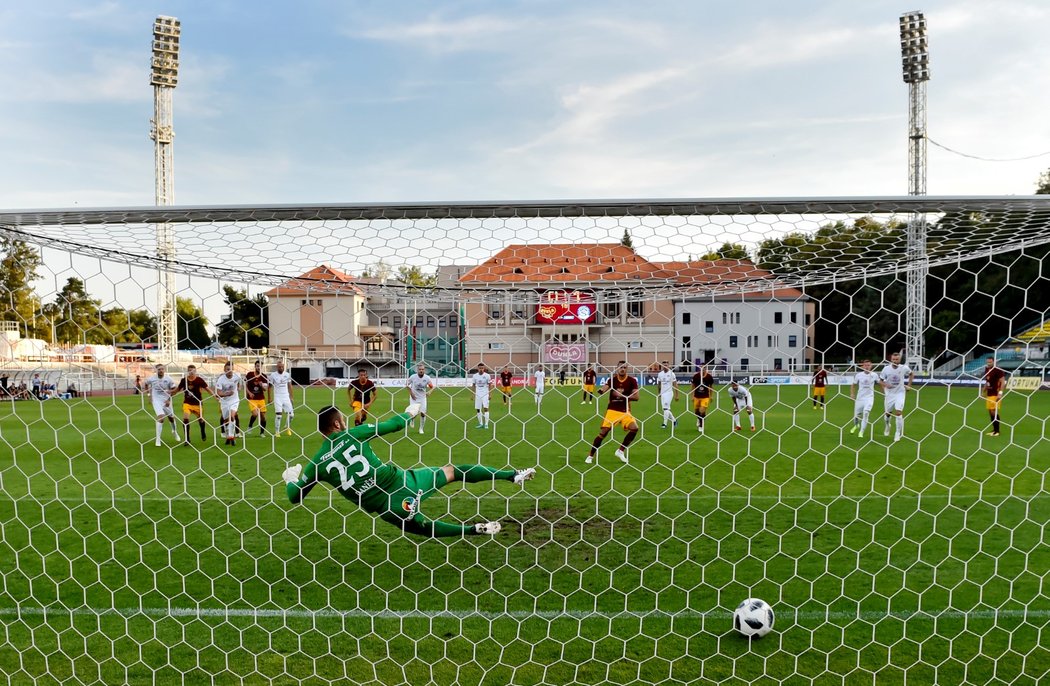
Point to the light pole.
(164, 76)
(915, 61)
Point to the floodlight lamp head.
(165, 61)
(915, 56)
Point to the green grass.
(923, 561)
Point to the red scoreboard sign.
(566, 307)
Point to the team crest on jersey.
(409, 505)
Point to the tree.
(124, 326)
(1043, 185)
(626, 241)
(380, 270)
(727, 251)
(75, 314)
(191, 324)
(247, 325)
(18, 302)
(415, 277)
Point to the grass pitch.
(923, 561)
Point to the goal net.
(894, 524)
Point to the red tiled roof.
(725, 272)
(566, 262)
(321, 280)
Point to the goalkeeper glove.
(291, 475)
(413, 409)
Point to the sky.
(335, 101)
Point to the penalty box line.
(641, 497)
(801, 616)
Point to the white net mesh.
(918, 560)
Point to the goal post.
(895, 536)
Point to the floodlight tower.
(915, 60)
(164, 76)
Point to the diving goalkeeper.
(346, 462)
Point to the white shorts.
(741, 404)
(666, 399)
(895, 401)
(282, 405)
(161, 408)
(422, 402)
(228, 407)
(481, 401)
(863, 405)
(539, 390)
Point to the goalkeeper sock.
(752, 418)
(473, 473)
(900, 425)
(160, 429)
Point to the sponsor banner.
(1024, 383)
(556, 353)
(566, 307)
(402, 381)
(796, 380)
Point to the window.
(737, 317)
(807, 320)
(744, 363)
(441, 344)
(495, 314)
(732, 341)
(441, 322)
(725, 318)
(453, 322)
(769, 341)
(397, 322)
(384, 320)
(687, 342)
(794, 317)
(634, 308)
(792, 364)
(634, 344)
(687, 318)
(430, 322)
(430, 344)
(792, 341)
(709, 326)
(497, 346)
(419, 320)
(778, 364)
(778, 317)
(611, 310)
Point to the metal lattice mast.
(164, 76)
(915, 59)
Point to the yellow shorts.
(257, 405)
(188, 410)
(992, 402)
(820, 392)
(505, 389)
(701, 403)
(612, 418)
(589, 387)
(356, 406)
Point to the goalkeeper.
(346, 462)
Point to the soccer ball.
(753, 618)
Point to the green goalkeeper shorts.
(420, 484)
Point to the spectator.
(38, 386)
(561, 376)
(138, 384)
(5, 382)
(72, 392)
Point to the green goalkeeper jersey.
(348, 464)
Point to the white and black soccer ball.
(753, 618)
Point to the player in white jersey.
(419, 387)
(480, 384)
(863, 392)
(668, 394)
(741, 401)
(228, 388)
(541, 379)
(896, 380)
(161, 386)
(280, 395)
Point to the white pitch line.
(516, 615)
(707, 497)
